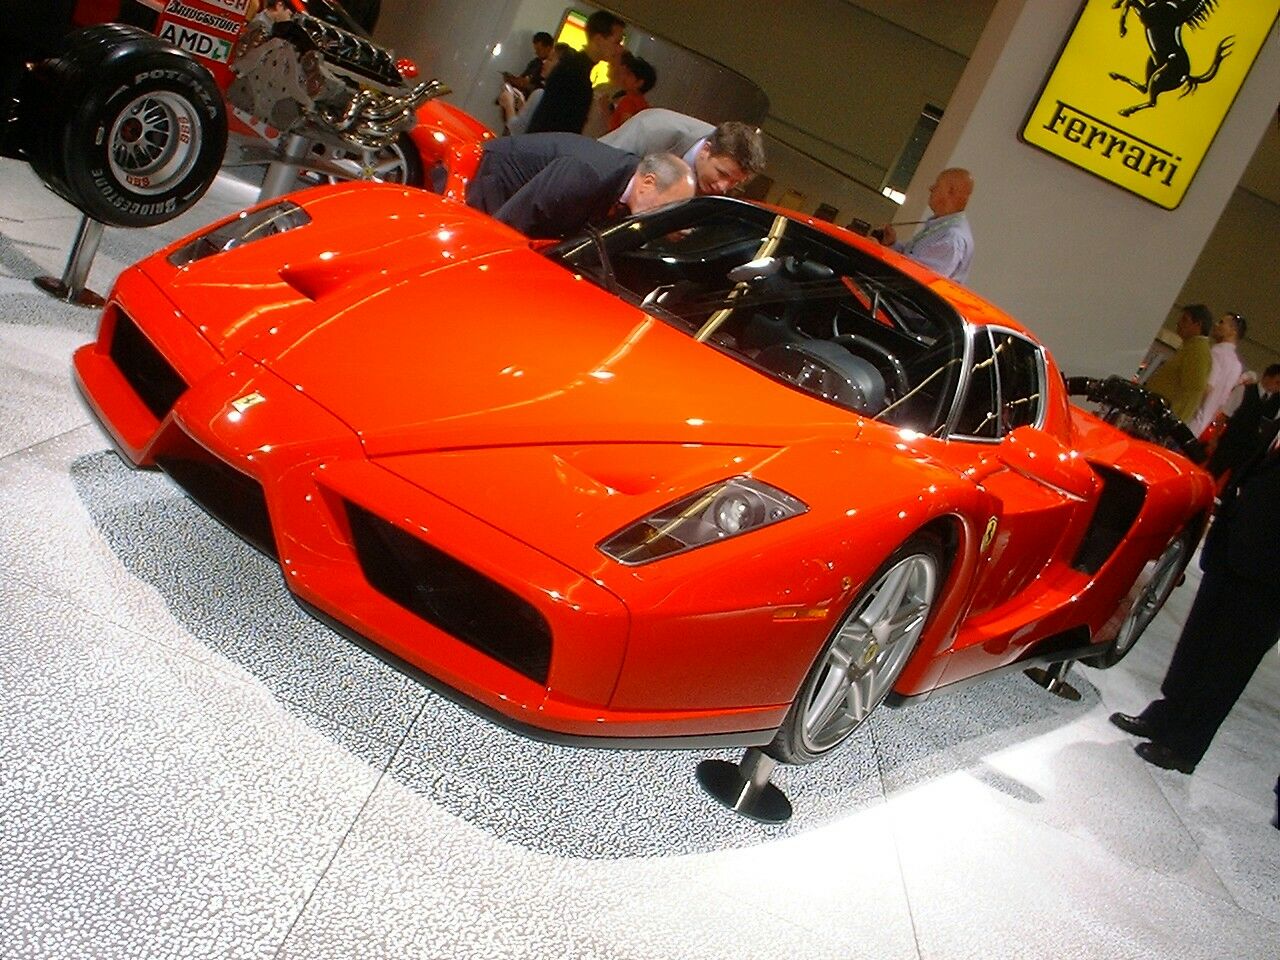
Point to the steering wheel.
(854, 342)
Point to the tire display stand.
(745, 788)
(70, 287)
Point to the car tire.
(865, 654)
(1149, 595)
(129, 130)
(406, 163)
(398, 162)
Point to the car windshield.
(788, 300)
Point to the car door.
(1039, 489)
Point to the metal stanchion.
(1054, 679)
(282, 174)
(745, 788)
(71, 286)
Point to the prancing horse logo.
(1169, 66)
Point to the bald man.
(944, 243)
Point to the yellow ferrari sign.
(1141, 87)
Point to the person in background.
(1224, 371)
(1183, 379)
(269, 13)
(517, 111)
(552, 185)
(944, 242)
(723, 158)
(636, 77)
(1234, 621)
(567, 98)
(1249, 429)
(535, 72)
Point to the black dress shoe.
(1135, 725)
(1161, 756)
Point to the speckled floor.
(191, 767)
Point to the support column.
(1092, 269)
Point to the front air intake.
(156, 383)
(1118, 507)
(234, 499)
(450, 595)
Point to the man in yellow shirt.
(1183, 379)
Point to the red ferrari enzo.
(717, 474)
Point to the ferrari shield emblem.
(247, 401)
(989, 534)
(1141, 87)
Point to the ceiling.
(954, 25)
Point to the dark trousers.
(1232, 624)
(487, 191)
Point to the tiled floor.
(191, 767)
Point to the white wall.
(453, 41)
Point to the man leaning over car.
(723, 157)
(552, 185)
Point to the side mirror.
(755, 270)
(1035, 454)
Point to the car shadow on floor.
(14, 260)
(230, 602)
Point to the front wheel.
(865, 655)
(1148, 596)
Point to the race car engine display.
(310, 78)
(1138, 412)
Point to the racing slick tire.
(126, 128)
(866, 653)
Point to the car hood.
(511, 349)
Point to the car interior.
(789, 300)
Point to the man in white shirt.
(945, 242)
(1225, 372)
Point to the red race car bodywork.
(641, 484)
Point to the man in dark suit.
(1234, 621)
(1247, 429)
(555, 184)
(566, 95)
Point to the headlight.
(714, 513)
(249, 226)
